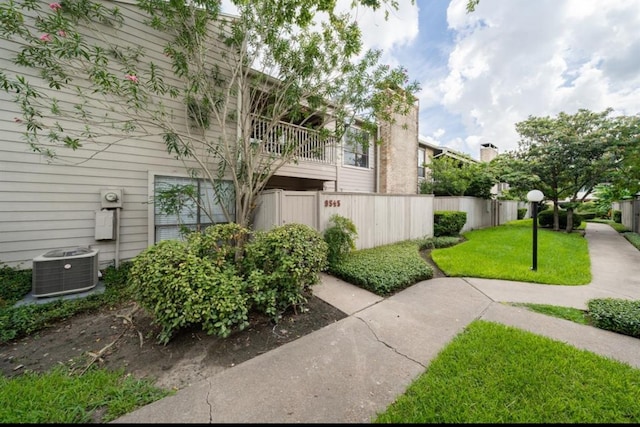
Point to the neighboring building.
(488, 152)
(104, 198)
(428, 151)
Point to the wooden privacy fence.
(630, 212)
(380, 219)
(481, 213)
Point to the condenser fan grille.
(63, 271)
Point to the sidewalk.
(349, 371)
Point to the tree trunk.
(569, 220)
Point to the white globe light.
(535, 196)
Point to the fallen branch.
(98, 356)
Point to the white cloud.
(518, 58)
(482, 72)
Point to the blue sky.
(483, 72)
(510, 59)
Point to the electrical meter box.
(111, 198)
(105, 225)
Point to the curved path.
(351, 370)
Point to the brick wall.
(399, 154)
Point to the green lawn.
(506, 252)
(493, 373)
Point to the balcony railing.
(303, 143)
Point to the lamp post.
(535, 197)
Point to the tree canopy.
(447, 176)
(567, 156)
(203, 84)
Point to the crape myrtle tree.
(568, 154)
(230, 83)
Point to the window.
(421, 159)
(193, 202)
(356, 148)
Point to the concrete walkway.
(353, 369)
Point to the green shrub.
(220, 243)
(112, 276)
(340, 238)
(545, 219)
(617, 315)
(385, 269)
(181, 289)
(438, 242)
(522, 212)
(617, 216)
(633, 238)
(14, 285)
(448, 223)
(16, 322)
(282, 264)
(587, 215)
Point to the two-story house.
(102, 195)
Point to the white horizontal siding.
(356, 179)
(50, 205)
(308, 170)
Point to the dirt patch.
(125, 337)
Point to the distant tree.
(625, 180)
(605, 194)
(448, 176)
(482, 180)
(508, 168)
(568, 154)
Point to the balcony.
(302, 143)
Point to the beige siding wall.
(309, 170)
(354, 179)
(45, 206)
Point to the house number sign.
(332, 203)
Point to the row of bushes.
(545, 219)
(215, 279)
(617, 315)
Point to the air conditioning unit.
(64, 271)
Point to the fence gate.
(300, 207)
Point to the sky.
(483, 72)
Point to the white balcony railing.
(304, 143)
